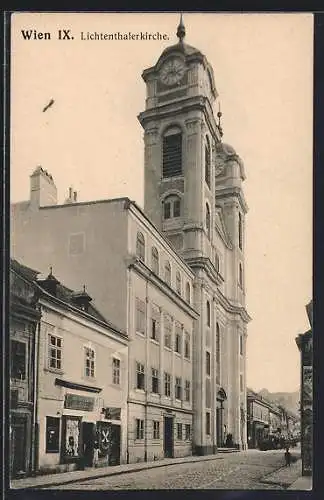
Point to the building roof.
(64, 295)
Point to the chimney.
(75, 196)
(70, 197)
(43, 192)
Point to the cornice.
(148, 274)
(234, 191)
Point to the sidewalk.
(95, 473)
(289, 477)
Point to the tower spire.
(181, 30)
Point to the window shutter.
(172, 155)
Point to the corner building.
(193, 194)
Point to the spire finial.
(51, 270)
(84, 288)
(181, 31)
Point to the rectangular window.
(208, 423)
(116, 371)
(89, 362)
(187, 390)
(167, 384)
(140, 316)
(187, 346)
(52, 434)
(139, 428)
(167, 210)
(178, 387)
(208, 393)
(155, 381)
(187, 432)
(177, 346)
(207, 363)
(172, 155)
(18, 360)
(176, 208)
(179, 431)
(241, 345)
(167, 331)
(140, 376)
(241, 383)
(155, 323)
(156, 429)
(54, 352)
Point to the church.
(171, 275)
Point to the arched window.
(240, 274)
(208, 220)
(178, 282)
(171, 207)
(167, 272)
(155, 260)
(188, 293)
(208, 313)
(218, 353)
(240, 231)
(140, 246)
(207, 161)
(172, 152)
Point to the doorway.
(114, 456)
(88, 437)
(168, 437)
(18, 450)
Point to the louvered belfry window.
(172, 155)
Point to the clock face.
(172, 71)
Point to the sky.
(90, 139)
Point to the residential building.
(81, 381)
(304, 343)
(24, 321)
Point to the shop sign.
(76, 402)
(112, 413)
(104, 437)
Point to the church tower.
(193, 194)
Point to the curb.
(117, 473)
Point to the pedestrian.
(287, 457)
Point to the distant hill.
(289, 400)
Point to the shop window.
(167, 384)
(140, 376)
(116, 371)
(140, 246)
(178, 388)
(155, 381)
(179, 431)
(139, 428)
(18, 360)
(55, 352)
(156, 429)
(52, 434)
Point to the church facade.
(171, 276)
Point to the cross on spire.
(181, 30)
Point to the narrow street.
(252, 469)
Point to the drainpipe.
(35, 450)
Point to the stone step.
(227, 450)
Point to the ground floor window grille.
(139, 428)
(156, 429)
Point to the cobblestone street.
(245, 470)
